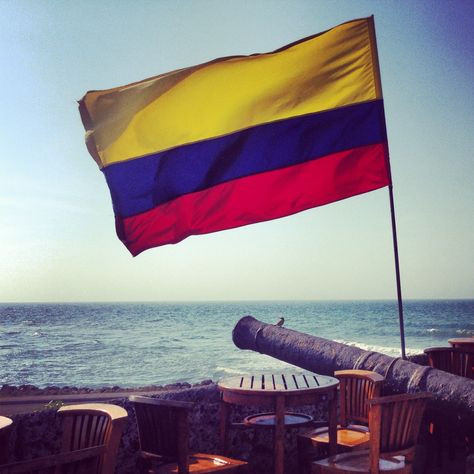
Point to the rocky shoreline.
(7, 390)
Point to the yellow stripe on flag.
(331, 70)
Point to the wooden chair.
(5, 429)
(89, 444)
(394, 424)
(455, 360)
(444, 430)
(164, 433)
(356, 388)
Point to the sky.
(57, 235)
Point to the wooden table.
(279, 391)
(464, 342)
(5, 427)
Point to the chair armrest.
(59, 459)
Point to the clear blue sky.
(57, 237)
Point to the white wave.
(432, 330)
(229, 370)
(387, 350)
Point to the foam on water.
(390, 351)
(465, 332)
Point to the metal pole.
(378, 87)
(397, 272)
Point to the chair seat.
(351, 436)
(200, 462)
(358, 461)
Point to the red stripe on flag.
(258, 198)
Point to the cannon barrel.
(324, 356)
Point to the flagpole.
(397, 272)
(378, 85)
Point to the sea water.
(138, 344)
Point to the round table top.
(278, 383)
(5, 422)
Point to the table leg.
(224, 427)
(279, 450)
(332, 422)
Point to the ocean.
(138, 344)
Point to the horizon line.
(190, 301)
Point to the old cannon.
(453, 394)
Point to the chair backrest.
(394, 424)
(163, 428)
(455, 360)
(355, 389)
(90, 440)
(94, 424)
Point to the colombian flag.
(241, 139)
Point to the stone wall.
(37, 434)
